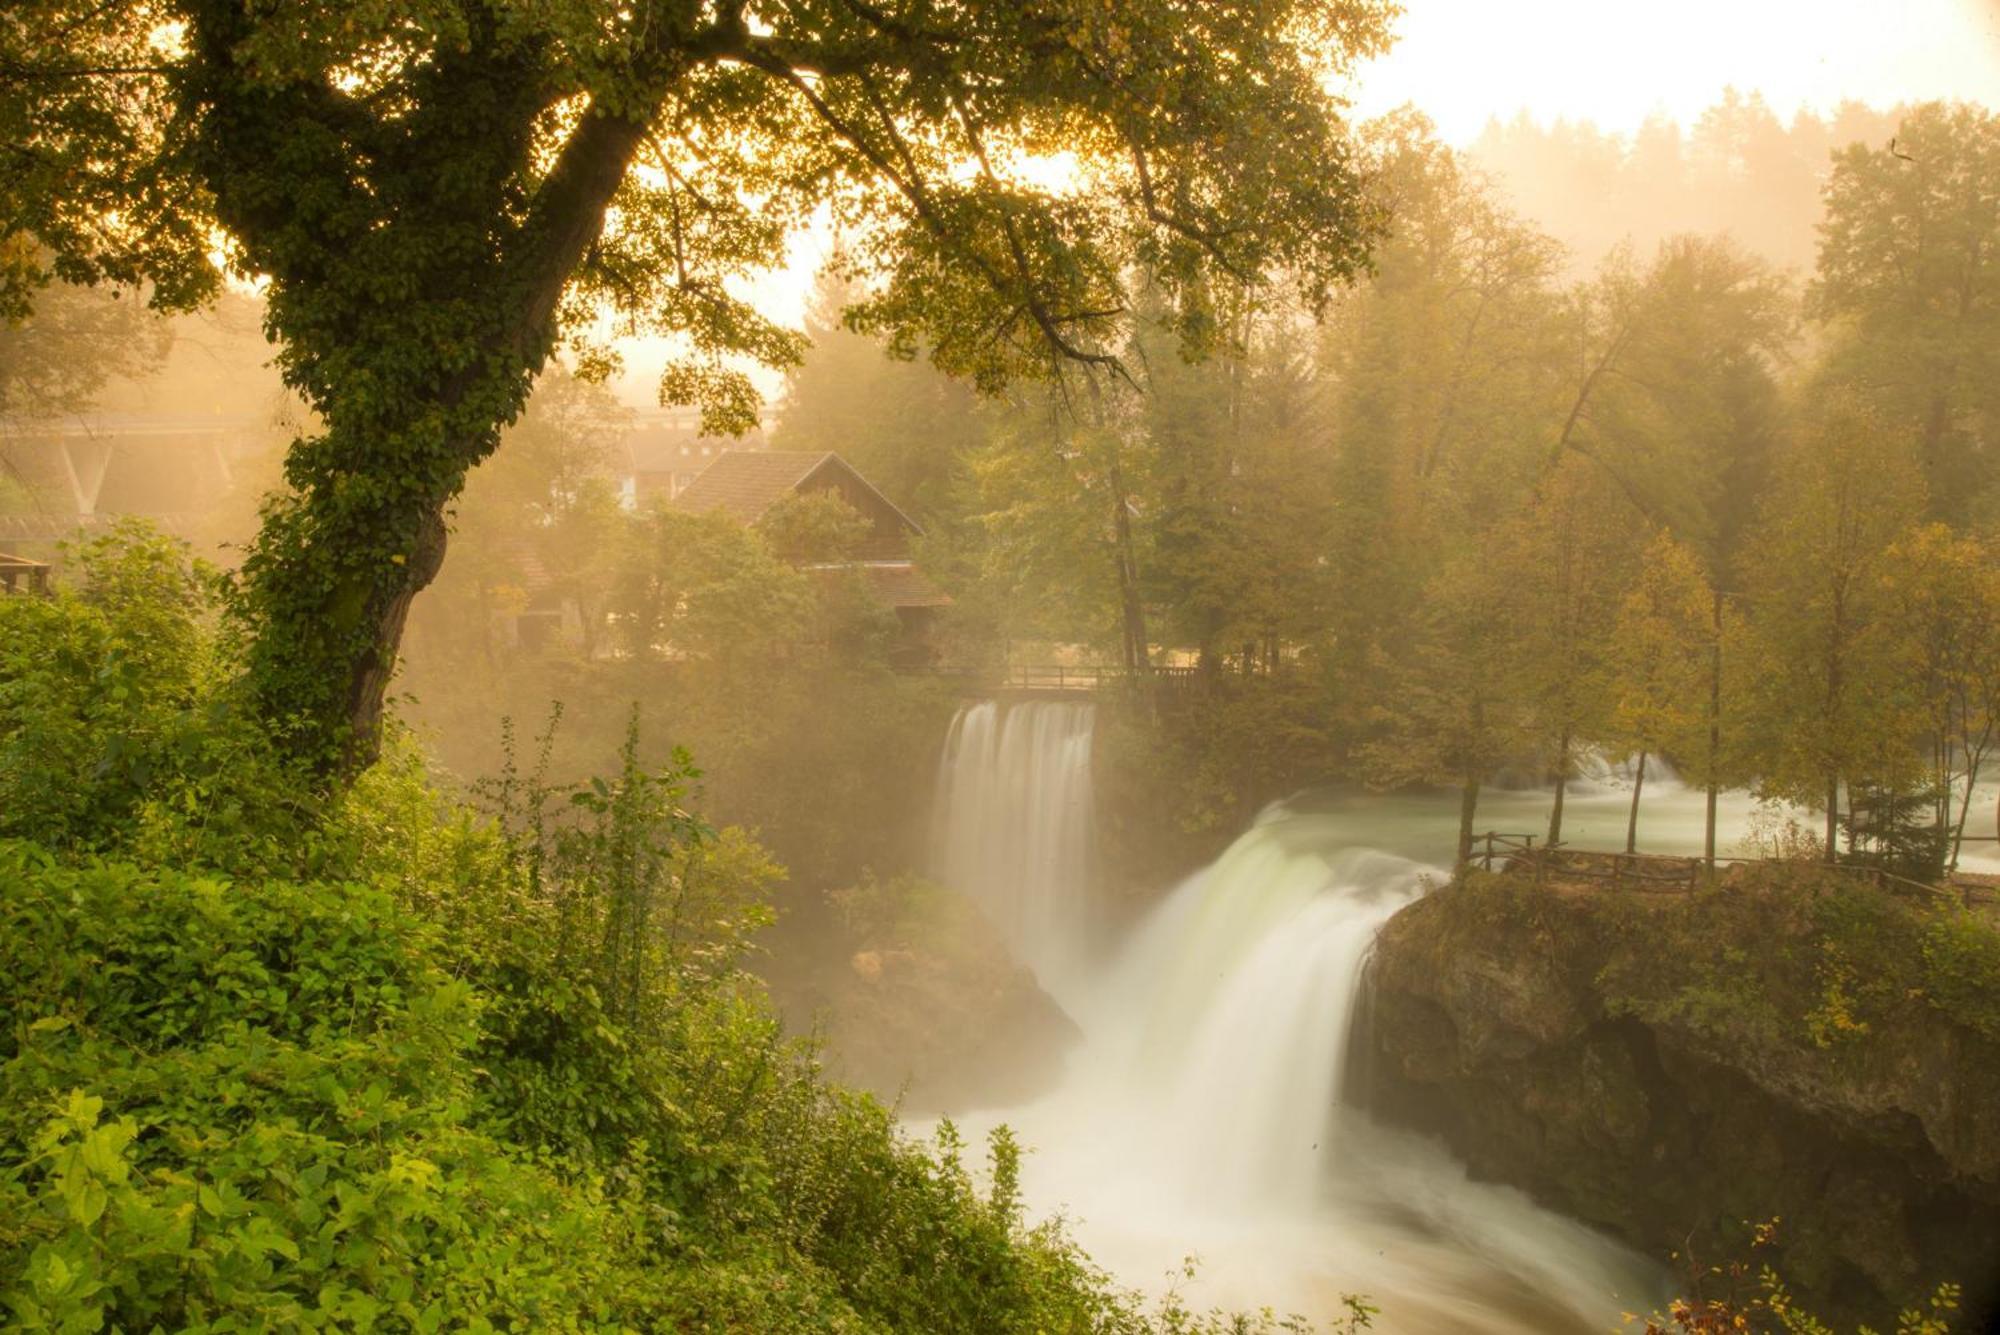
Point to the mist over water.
(1203, 1113)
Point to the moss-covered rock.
(1675, 1069)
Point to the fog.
(1090, 735)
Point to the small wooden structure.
(745, 484)
(20, 575)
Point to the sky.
(1617, 61)
(1614, 62)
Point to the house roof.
(894, 583)
(900, 584)
(745, 483)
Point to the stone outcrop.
(939, 1020)
(1674, 1069)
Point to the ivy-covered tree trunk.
(416, 313)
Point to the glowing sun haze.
(1615, 61)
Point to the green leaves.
(436, 194)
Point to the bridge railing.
(1675, 872)
(1082, 676)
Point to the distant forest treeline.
(1507, 499)
(1738, 169)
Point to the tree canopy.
(435, 194)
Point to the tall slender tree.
(1656, 663)
(1565, 559)
(1832, 708)
(1909, 273)
(1943, 591)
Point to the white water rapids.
(1201, 1114)
(1014, 827)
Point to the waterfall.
(1015, 826)
(1203, 1111)
(1599, 772)
(1263, 1052)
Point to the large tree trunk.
(1832, 818)
(336, 568)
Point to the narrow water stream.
(1202, 1112)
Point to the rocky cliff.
(1677, 1068)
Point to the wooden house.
(745, 484)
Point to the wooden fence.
(1515, 852)
(1083, 677)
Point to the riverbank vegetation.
(395, 1061)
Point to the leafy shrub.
(284, 1060)
(119, 724)
(1961, 952)
(244, 1106)
(1743, 1295)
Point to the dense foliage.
(423, 192)
(407, 1066)
(1493, 512)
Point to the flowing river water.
(1201, 1113)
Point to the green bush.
(376, 1060)
(1961, 955)
(120, 725)
(244, 1106)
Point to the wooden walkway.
(1519, 854)
(1066, 680)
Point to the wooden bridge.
(1089, 678)
(1069, 681)
(1516, 853)
(20, 575)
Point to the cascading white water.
(1597, 771)
(1202, 1114)
(1015, 826)
(1203, 1110)
(1252, 1008)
